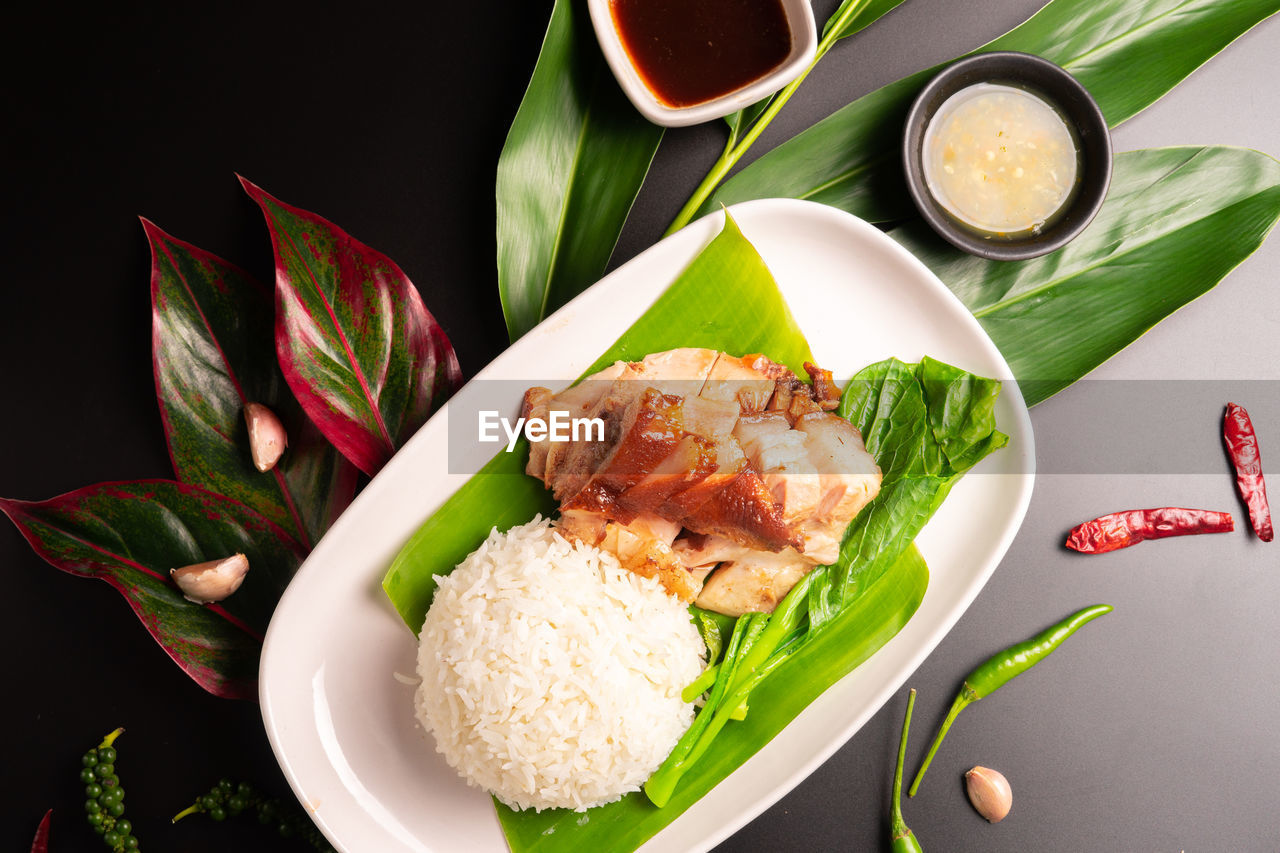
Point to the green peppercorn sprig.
(104, 797)
(227, 799)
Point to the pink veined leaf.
(362, 354)
(41, 842)
(212, 348)
(130, 534)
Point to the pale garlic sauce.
(999, 159)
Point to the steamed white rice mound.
(551, 676)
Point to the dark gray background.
(1153, 730)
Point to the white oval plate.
(342, 725)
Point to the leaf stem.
(733, 153)
(189, 810)
(700, 684)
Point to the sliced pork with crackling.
(725, 477)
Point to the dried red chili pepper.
(41, 842)
(1122, 529)
(1242, 444)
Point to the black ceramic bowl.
(1073, 102)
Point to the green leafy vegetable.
(713, 627)
(212, 350)
(1175, 222)
(573, 162)
(1128, 53)
(926, 424)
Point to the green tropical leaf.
(1175, 222)
(866, 13)
(213, 351)
(570, 169)
(130, 534)
(1128, 53)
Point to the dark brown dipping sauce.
(691, 51)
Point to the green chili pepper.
(903, 839)
(1002, 667)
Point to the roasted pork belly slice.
(754, 583)
(692, 461)
(642, 546)
(745, 512)
(750, 381)
(779, 453)
(730, 462)
(651, 427)
(648, 431)
(535, 405)
(572, 464)
(580, 399)
(680, 372)
(713, 419)
(770, 442)
(850, 476)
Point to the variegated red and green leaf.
(364, 357)
(212, 348)
(130, 534)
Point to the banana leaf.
(691, 312)
(570, 169)
(1175, 222)
(1128, 53)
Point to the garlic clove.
(267, 439)
(211, 581)
(989, 792)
